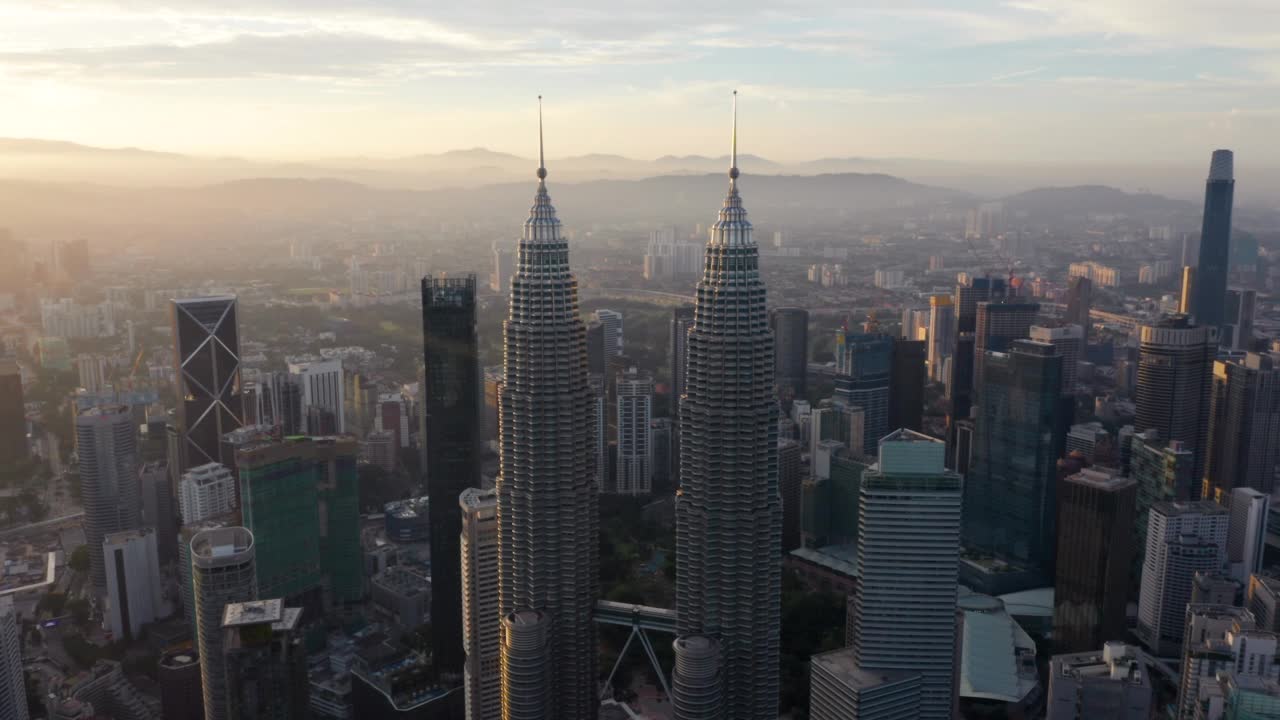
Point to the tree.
(53, 602)
(79, 609)
(79, 559)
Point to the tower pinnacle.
(542, 162)
(733, 155)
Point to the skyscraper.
(729, 512)
(266, 661)
(942, 335)
(134, 586)
(1175, 371)
(635, 439)
(906, 385)
(178, 674)
(790, 483)
(206, 337)
(1247, 532)
(960, 384)
(1215, 241)
(998, 324)
(790, 327)
(1095, 521)
(1069, 340)
(547, 496)
(611, 321)
(1237, 325)
(13, 423)
(697, 685)
(301, 501)
(481, 624)
(451, 445)
(1182, 539)
(1079, 302)
(504, 263)
(324, 396)
(1244, 423)
(908, 560)
(13, 689)
(107, 446)
(681, 321)
(864, 362)
(1009, 492)
(222, 572)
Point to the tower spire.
(542, 162)
(733, 154)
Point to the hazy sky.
(1033, 80)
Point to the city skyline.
(982, 80)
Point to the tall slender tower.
(1215, 241)
(451, 395)
(548, 520)
(729, 511)
(206, 340)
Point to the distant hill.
(1095, 199)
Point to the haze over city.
(382, 359)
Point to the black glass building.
(451, 446)
(206, 336)
(790, 327)
(1215, 241)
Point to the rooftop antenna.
(733, 155)
(542, 163)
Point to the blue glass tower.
(1215, 241)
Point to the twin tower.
(728, 508)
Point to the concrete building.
(159, 510)
(1247, 532)
(266, 661)
(323, 387)
(526, 666)
(1182, 539)
(839, 689)
(942, 330)
(1085, 438)
(481, 624)
(908, 558)
(106, 443)
(1262, 598)
(696, 680)
(13, 690)
(205, 491)
(611, 322)
(403, 595)
(1163, 473)
(222, 570)
(1175, 369)
(635, 442)
(134, 588)
(729, 511)
(1114, 684)
(550, 568)
(1220, 637)
(1244, 424)
(504, 266)
(178, 675)
(1069, 340)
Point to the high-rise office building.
(324, 396)
(1163, 473)
(13, 422)
(265, 660)
(206, 337)
(1247, 532)
(906, 385)
(1262, 598)
(611, 322)
(1182, 539)
(1220, 638)
(791, 484)
(106, 442)
(1244, 424)
(205, 491)
(301, 502)
(1069, 340)
(1079, 302)
(998, 324)
(280, 397)
(134, 586)
(451, 445)
(13, 689)
(178, 675)
(839, 690)
(547, 496)
(481, 624)
(1215, 241)
(961, 381)
(1009, 491)
(942, 335)
(222, 572)
(635, 440)
(864, 362)
(1175, 371)
(729, 511)
(1115, 683)
(1237, 325)
(504, 265)
(790, 327)
(663, 470)
(159, 511)
(681, 321)
(1095, 521)
(696, 681)
(908, 562)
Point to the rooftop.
(842, 665)
(254, 612)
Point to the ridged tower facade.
(547, 514)
(729, 511)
